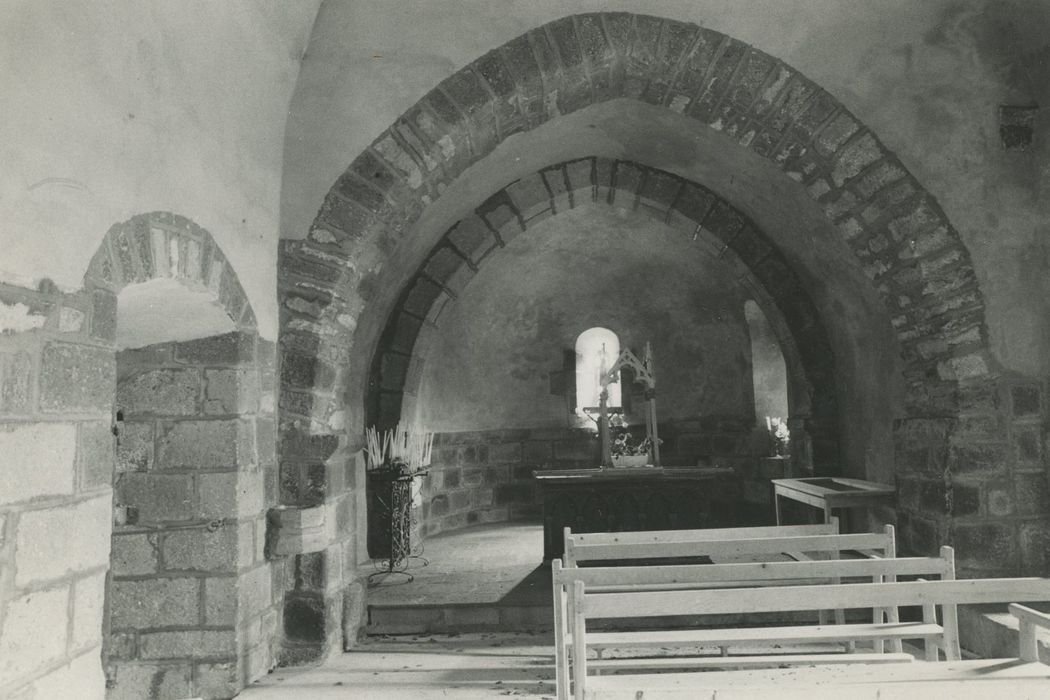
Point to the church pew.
(693, 576)
(1023, 677)
(761, 543)
(591, 548)
(660, 604)
(602, 546)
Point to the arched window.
(768, 368)
(596, 351)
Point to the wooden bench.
(1023, 677)
(695, 576)
(794, 542)
(763, 543)
(594, 547)
(929, 595)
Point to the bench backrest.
(691, 543)
(691, 576)
(703, 534)
(638, 604)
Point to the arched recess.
(696, 212)
(339, 284)
(194, 467)
(162, 245)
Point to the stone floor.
(487, 563)
(486, 578)
(467, 666)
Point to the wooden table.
(627, 499)
(827, 493)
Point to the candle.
(769, 424)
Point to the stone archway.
(696, 212)
(194, 468)
(333, 281)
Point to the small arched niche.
(596, 350)
(769, 371)
(168, 310)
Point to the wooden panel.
(767, 545)
(769, 660)
(705, 535)
(757, 635)
(790, 598)
(604, 579)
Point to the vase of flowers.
(779, 436)
(627, 451)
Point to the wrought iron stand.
(394, 514)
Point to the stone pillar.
(977, 479)
(193, 608)
(56, 391)
(318, 481)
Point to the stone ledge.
(292, 530)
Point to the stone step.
(458, 618)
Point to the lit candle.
(769, 424)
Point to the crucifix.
(644, 373)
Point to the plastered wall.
(490, 363)
(123, 108)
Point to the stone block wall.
(193, 603)
(978, 479)
(57, 380)
(486, 476)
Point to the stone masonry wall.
(978, 480)
(193, 602)
(57, 380)
(487, 476)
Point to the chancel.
(458, 348)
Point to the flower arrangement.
(623, 444)
(779, 435)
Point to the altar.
(626, 500)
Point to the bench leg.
(952, 652)
(878, 616)
(929, 615)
